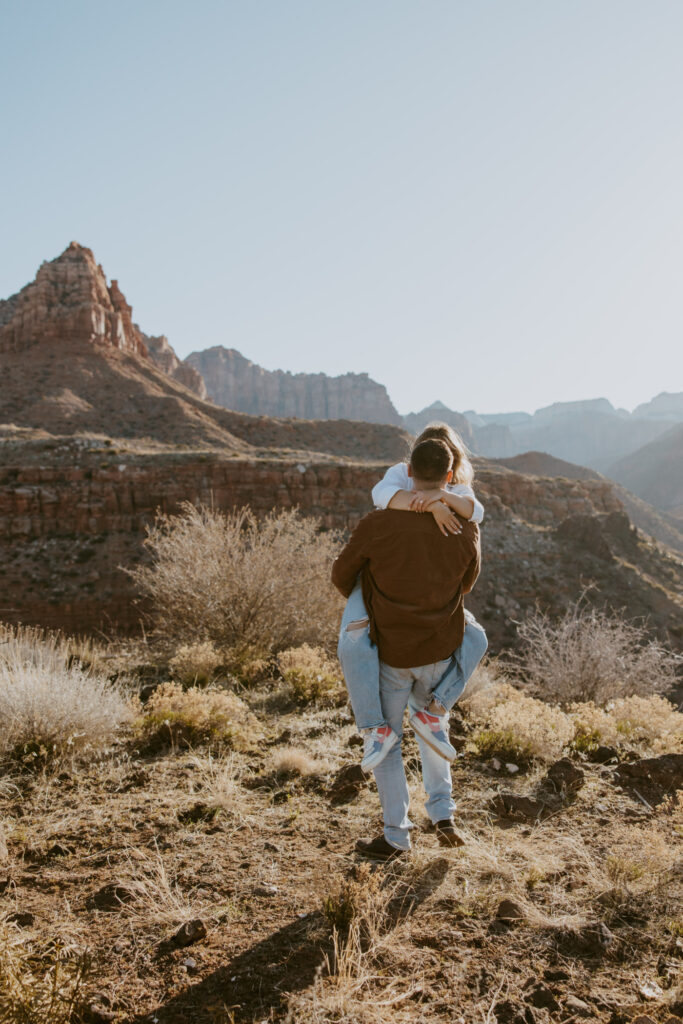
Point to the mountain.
(234, 382)
(415, 422)
(665, 406)
(655, 472)
(73, 362)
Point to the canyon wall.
(68, 533)
(236, 383)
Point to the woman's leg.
(359, 660)
(463, 663)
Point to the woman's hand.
(421, 500)
(446, 519)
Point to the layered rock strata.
(69, 300)
(236, 383)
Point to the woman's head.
(463, 473)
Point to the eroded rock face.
(165, 358)
(236, 383)
(69, 300)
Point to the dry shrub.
(40, 984)
(195, 664)
(183, 718)
(296, 761)
(588, 655)
(651, 721)
(243, 583)
(312, 675)
(50, 706)
(516, 727)
(593, 726)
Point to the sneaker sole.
(427, 737)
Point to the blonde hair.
(463, 471)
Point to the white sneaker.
(432, 729)
(376, 745)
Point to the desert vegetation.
(177, 820)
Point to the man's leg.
(451, 686)
(436, 770)
(395, 685)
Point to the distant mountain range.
(589, 433)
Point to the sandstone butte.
(101, 428)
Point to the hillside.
(655, 472)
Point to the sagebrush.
(244, 584)
(177, 717)
(590, 655)
(50, 706)
(312, 674)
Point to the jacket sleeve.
(351, 559)
(395, 479)
(466, 492)
(473, 569)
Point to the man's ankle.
(435, 707)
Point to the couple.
(406, 640)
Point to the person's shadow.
(254, 985)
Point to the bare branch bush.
(50, 706)
(589, 655)
(245, 584)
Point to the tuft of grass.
(51, 708)
(296, 761)
(195, 664)
(40, 983)
(174, 717)
(312, 675)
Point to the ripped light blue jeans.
(359, 660)
(412, 688)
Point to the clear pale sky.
(479, 202)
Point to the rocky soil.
(192, 903)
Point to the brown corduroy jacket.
(414, 580)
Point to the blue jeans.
(413, 688)
(360, 664)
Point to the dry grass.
(649, 721)
(40, 982)
(241, 583)
(195, 664)
(184, 718)
(312, 675)
(516, 727)
(51, 708)
(588, 655)
(296, 761)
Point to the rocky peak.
(162, 353)
(69, 300)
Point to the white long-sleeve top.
(396, 479)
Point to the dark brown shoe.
(378, 849)
(447, 834)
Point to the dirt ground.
(263, 857)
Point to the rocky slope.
(165, 358)
(655, 472)
(236, 383)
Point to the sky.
(475, 201)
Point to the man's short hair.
(431, 461)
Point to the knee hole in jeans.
(355, 630)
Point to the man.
(414, 579)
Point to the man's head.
(431, 465)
